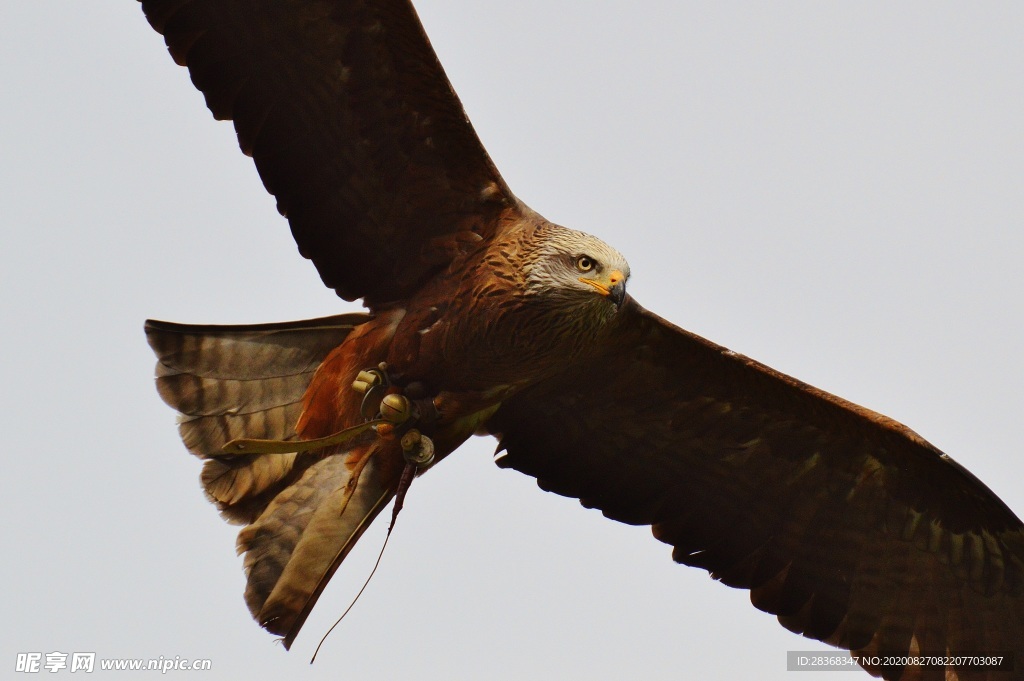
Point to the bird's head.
(571, 264)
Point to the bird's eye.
(585, 263)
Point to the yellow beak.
(613, 286)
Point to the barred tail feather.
(242, 381)
(294, 547)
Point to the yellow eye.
(585, 263)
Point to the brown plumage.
(847, 525)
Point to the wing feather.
(353, 126)
(845, 524)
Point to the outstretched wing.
(353, 126)
(845, 524)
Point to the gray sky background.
(835, 189)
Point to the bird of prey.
(485, 318)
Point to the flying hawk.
(483, 317)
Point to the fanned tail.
(298, 542)
(242, 381)
(304, 512)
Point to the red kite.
(483, 317)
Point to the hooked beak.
(612, 286)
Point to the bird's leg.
(418, 450)
(400, 414)
(376, 386)
(387, 413)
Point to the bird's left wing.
(353, 126)
(845, 524)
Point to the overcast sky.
(835, 189)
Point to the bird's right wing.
(845, 524)
(353, 126)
